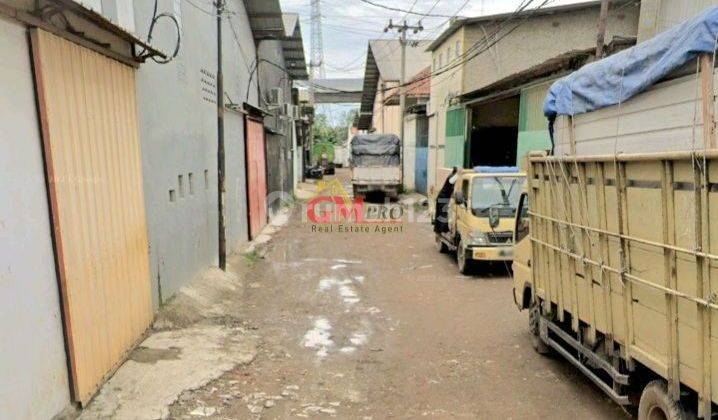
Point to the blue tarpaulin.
(621, 76)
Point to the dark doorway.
(494, 133)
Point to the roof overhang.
(268, 22)
(371, 82)
(40, 18)
(293, 49)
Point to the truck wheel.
(440, 245)
(536, 341)
(465, 264)
(656, 404)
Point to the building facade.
(111, 170)
(493, 70)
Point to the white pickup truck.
(376, 164)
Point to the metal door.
(420, 169)
(88, 115)
(422, 153)
(256, 177)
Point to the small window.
(173, 196)
(458, 49)
(190, 182)
(206, 179)
(435, 68)
(448, 55)
(180, 184)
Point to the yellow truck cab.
(481, 215)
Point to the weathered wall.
(279, 135)
(386, 118)
(444, 87)
(533, 125)
(409, 151)
(178, 130)
(33, 378)
(659, 15)
(541, 38)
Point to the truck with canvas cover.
(616, 255)
(480, 216)
(376, 164)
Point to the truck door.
(522, 253)
(459, 225)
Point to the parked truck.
(616, 257)
(480, 216)
(376, 164)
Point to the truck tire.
(440, 245)
(536, 341)
(657, 404)
(465, 264)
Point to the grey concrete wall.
(541, 38)
(279, 136)
(659, 15)
(33, 366)
(178, 131)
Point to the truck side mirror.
(521, 228)
(459, 198)
(494, 217)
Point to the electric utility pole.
(222, 239)
(402, 30)
(601, 36)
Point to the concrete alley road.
(371, 325)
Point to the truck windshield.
(502, 193)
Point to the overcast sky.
(347, 25)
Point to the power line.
(408, 12)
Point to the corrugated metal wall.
(88, 113)
(455, 137)
(533, 125)
(256, 176)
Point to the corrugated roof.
(420, 85)
(293, 47)
(457, 23)
(268, 22)
(384, 61)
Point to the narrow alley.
(371, 325)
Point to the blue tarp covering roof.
(496, 169)
(623, 75)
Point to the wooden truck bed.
(628, 245)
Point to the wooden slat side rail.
(604, 256)
(670, 278)
(625, 257)
(587, 246)
(702, 233)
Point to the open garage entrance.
(494, 130)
